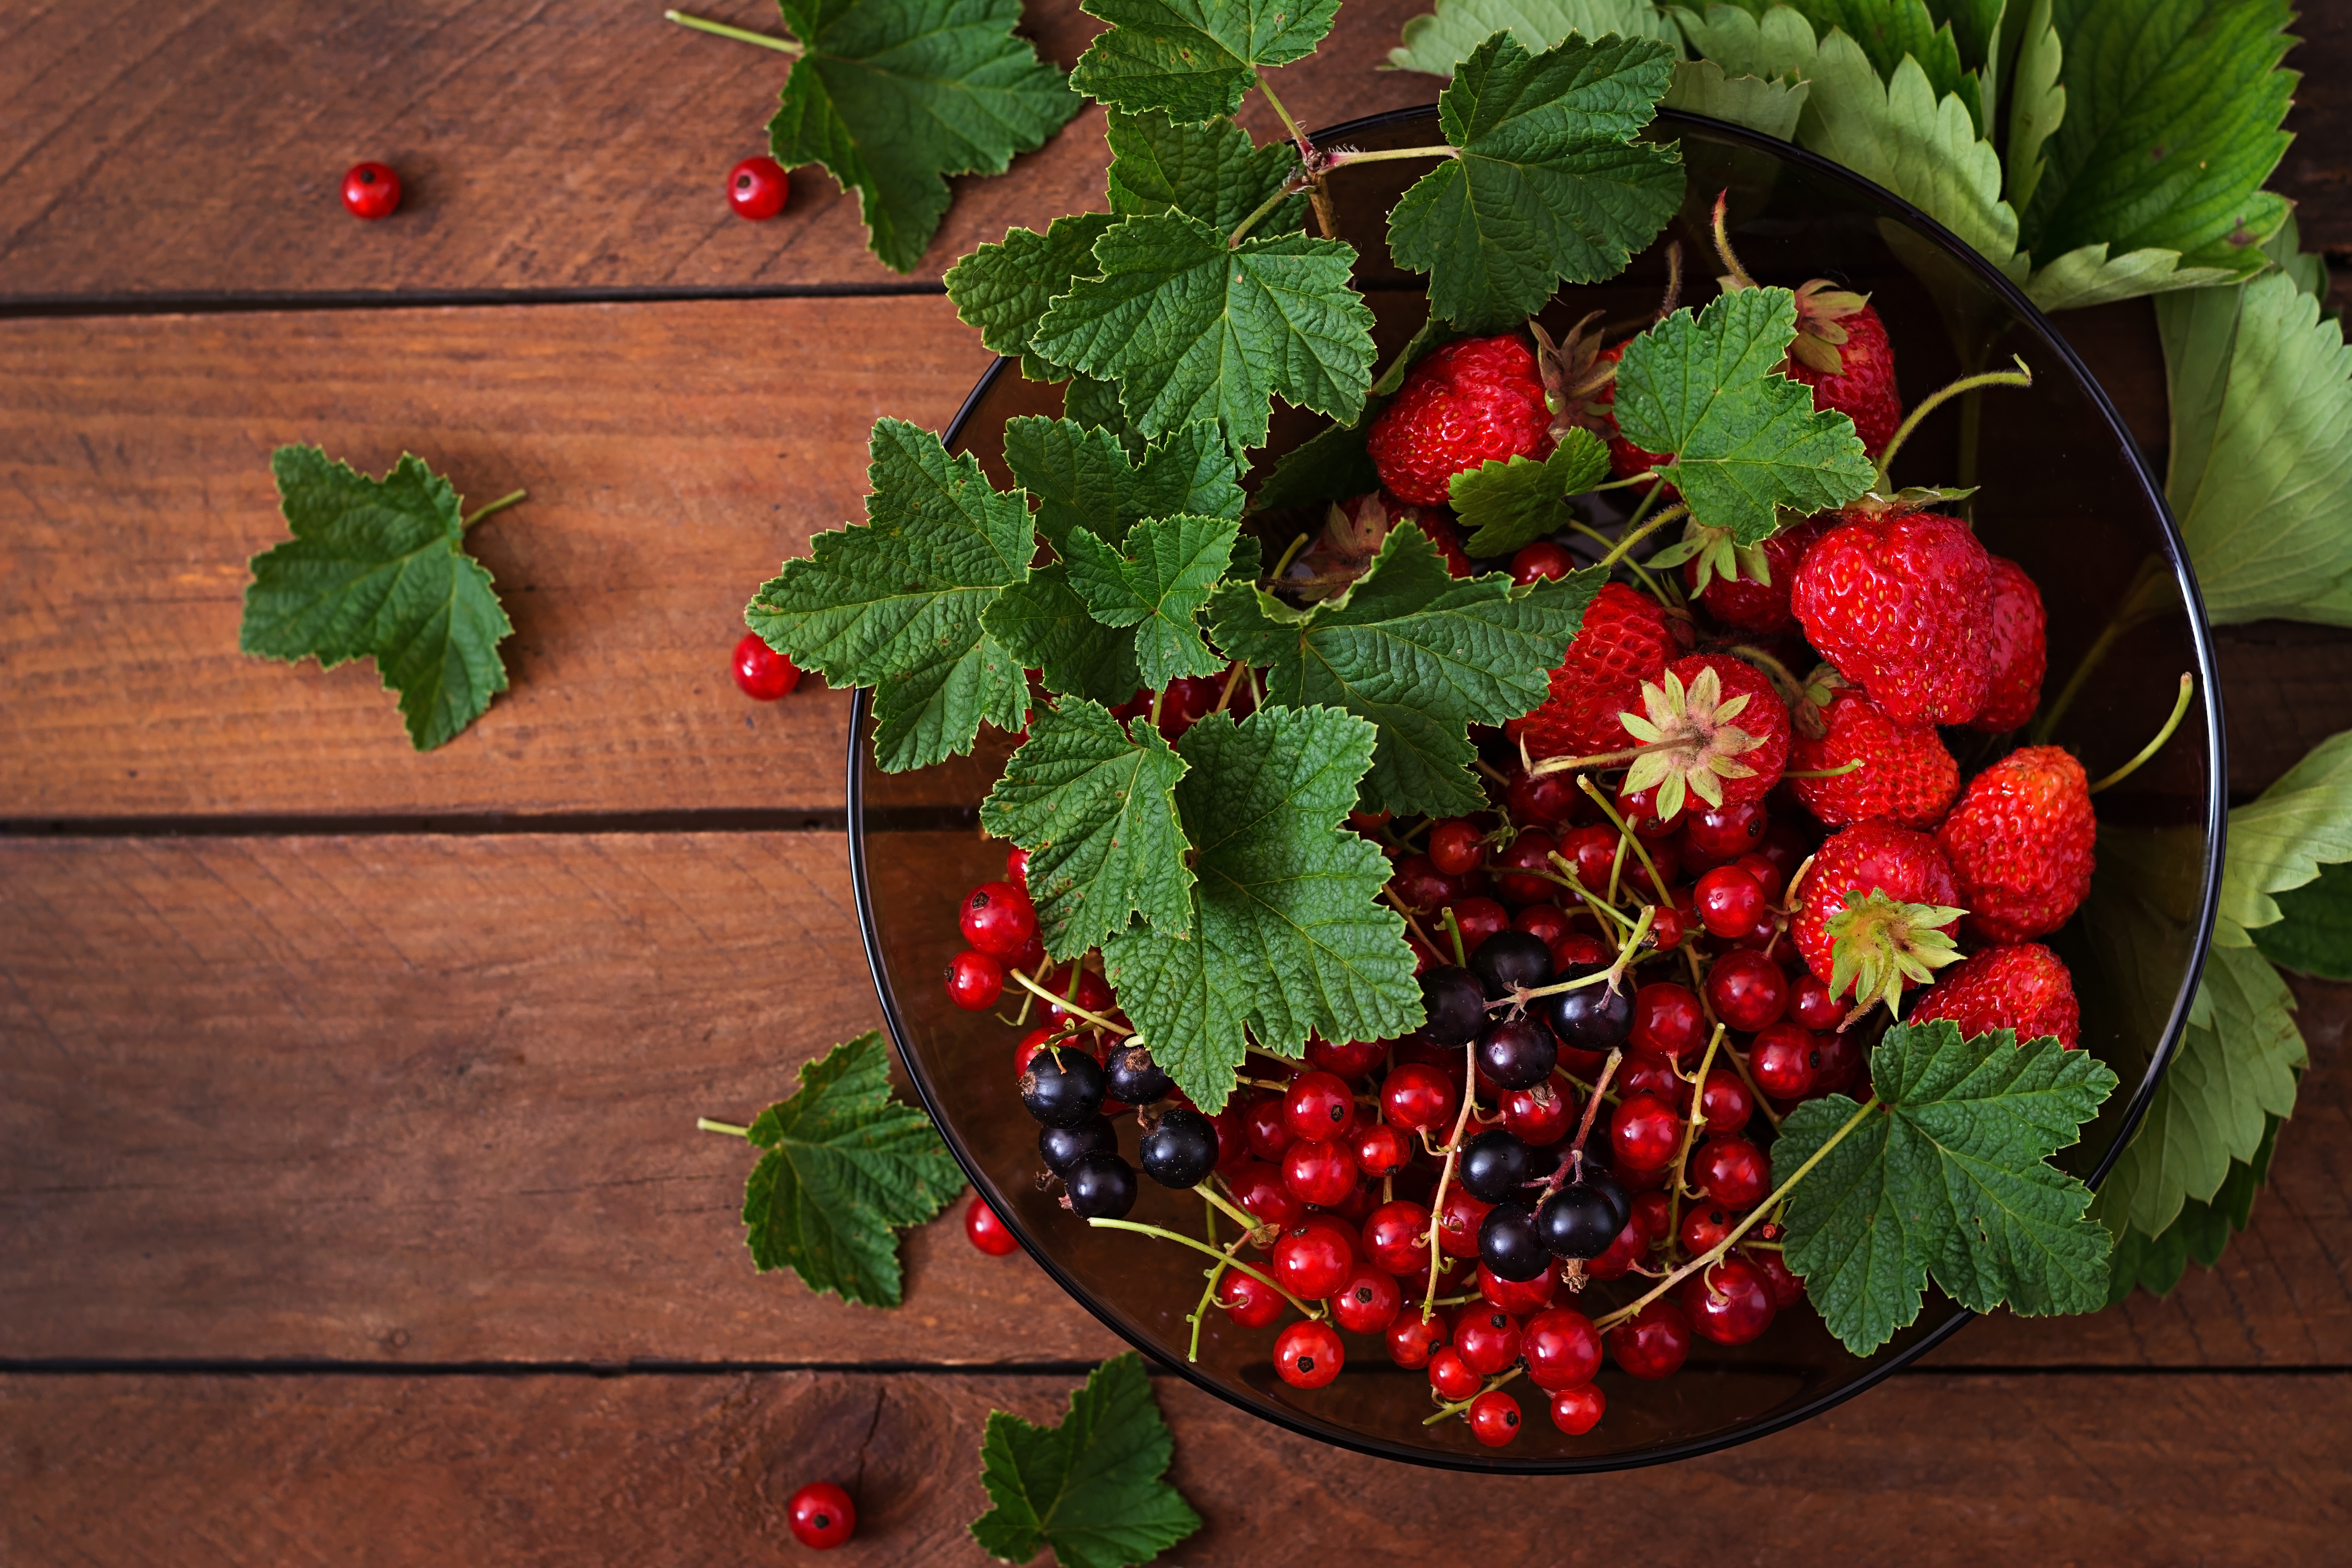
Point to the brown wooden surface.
(302, 1131)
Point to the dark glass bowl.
(2065, 492)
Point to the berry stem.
(1344, 156)
(1569, 882)
(2179, 708)
(1652, 584)
(1446, 1172)
(1280, 567)
(1066, 1004)
(1839, 772)
(1738, 1064)
(1315, 168)
(1457, 1407)
(741, 35)
(1203, 1247)
(1690, 1129)
(705, 1124)
(1633, 536)
(1572, 1165)
(1617, 820)
(1454, 934)
(499, 505)
(1264, 210)
(1569, 764)
(1231, 1210)
(2130, 615)
(2020, 376)
(1233, 677)
(1398, 904)
(1739, 278)
(1716, 1253)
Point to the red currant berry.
(1667, 1019)
(1458, 1219)
(1092, 993)
(1705, 1226)
(1545, 922)
(1478, 919)
(1731, 1171)
(1421, 886)
(1319, 1105)
(760, 672)
(1725, 1104)
(1729, 902)
(1540, 1117)
(1618, 1258)
(1348, 1062)
(1654, 1344)
(1318, 1171)
(1748, 990)
(1396, 1237)
(1412, 1341)
(1575, 949)
(1563, 1348)
(1449, 1377)
(1591, 851)
(1258, 1188)
(1784, 1059)
(1646, 1072)
(1030, 1044)
(1308, 1355)
(1494, 1418)
(822, 1515)
(1550, 799)
(1517, 1297)
(756, 188)
(1310, 1262)
(1668, 926)
(1727, 832)
(1577, 1411)
(1031, 959)
(1487, 1339)
(1766, 875)
(1540, 560)
(986, 1230)
(1268, 1126)
(372, 191)
(1418, 1098)
(1381, 1150)
(1653, 1216)
(1787, 1289)
(1232, 1140)
(1016, 867)
(975, 980)
(1515, 868)
(997, 918)
(1456, 848)
(1248, 1302)
(1810, 1005)
(1645, 1133)
(1366, 1302)
(1640, 809)
(1362, 821)
(1840, 1062)
(1729, 1303)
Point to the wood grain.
(1926, 1470)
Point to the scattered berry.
(760, 672)
(822, 1515)
(757, 188)
(1654, 1344)
(1729, 1303)
(986, 1230)
(1308, 1355)
(371, 191)
(1250, 1302)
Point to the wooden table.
(354, 1212)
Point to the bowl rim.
(1879, 1367)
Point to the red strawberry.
(1874, 911)
(1713, 728)
(1901, 601)
(1742, 602)
(1906, 777)
(1353, 532)
(1473, 402)
(2020, 843)
(1625, 640)
(1841, 349)
(2024, 988)
(2020, 653)
(1626, 458)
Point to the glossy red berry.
(986, 1230)
(1522, 868)
(1729, 902)
(1016, 867)
(1668, 926)
(757, 188)
(1265, 1121)
(1787, 1289)
(1725, 1104)
(1366, 1302)
(1258, 1188)
(1318, 1105)
(1310, 1262)
(1548, 799)
(1458, 1219)
(1449, 1375)
(1668, 1020)
(1381, 1150)
(1784, 1059)
(975, 980)
(1413, 1342)
(1489, 1340)
(1308, 1355)
(1646, 1072)
(1727, 832)
(1653, 1216)
(1479, 918)
(1654, 1344)
(1250, 1302)
(1347, 1061)
(1810, 1005)
(1540, 560)
(997, 918)
(1729, 1303)
(1837, 1062)
(372, 191)
(1703, 1227)
(1577, 1411)
(1748, 990)
(1645, 1133)
(1396, 1237)
(760, 672)
(1456, 848)
(822, 1515)
(1494, 1418)
(1731, 1171)
(1541, 1115)
(1319, 1171)
(1418, 1098)
(1563, 1348)
(1421, 886)
(1517, 1297)
(1092, 994)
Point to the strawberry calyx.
(1821, 304)
(1689, 744)
(1908, 501)
(1808, 709)
(1718, 555)
(1574, 377)
(1878, 945)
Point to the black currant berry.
(1135, 1078)
(1495, 1166)
(1063, 1087)
(1507, 1243)
(1511, 958)
(1516, 1054)
(1592, 1017)
(1100, 1187)
(1063, 1147)
(1577, 1222)
(1606, 1183)
(1180, 1149)
(1456, 1004)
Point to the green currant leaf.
(1511, 504)
(1330, 465)
(1046, 627)
(846, 1167)
(1095, 805)
(1745, 438)
(1191, 329)
(892, 96)
(1437, 43)
(1003, 290)
(1159, 587)
(1195, 58)
(1420, 654)
(1548, 185)
(1084, 478)
(1091, 1488)
(1211, 172)
(377, 568)
(896, 603)
(1289, 937)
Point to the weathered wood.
(652, 1469)
(430, 1098)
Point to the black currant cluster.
(1065, 1088)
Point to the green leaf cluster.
(2202, 1231)
(1946, 1175)
(1091, 1487)
(1196, 59)
(1511, 504)
(1438, 42)
(845, 1168)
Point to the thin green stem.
(1289, 555)
(1346, 156)
(1066, 1004)
(1635, 535)
(1657, 883)
(741, 35)
(1182, 1241)
(2179, 708)
(2095, 655)
(704, 1124)
(1232, 1211)
(2020, 376)
(1265, 209)
(1445, 1172)
(1298, 137)
(1453, 933)
(499, 505)
(1755, 1090)
(1836, 772)
(1698, 1103)
(1642, 508)
(1638, 569)
(1458, 1406)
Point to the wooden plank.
(2316, 173)
(428, 1099)
(656, 1470)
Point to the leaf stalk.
(501, 504)
(741, 34)
(2180, 709)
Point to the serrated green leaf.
(845, 1168)
(2037, 103)
(1514, 503)
(1420, 654)
(2281, 840)
(1549, 184)
(1191, 329)
(1093, 405)
(1438, 42)
(893, 96)
(1951, 1181)
(1091, 1487)
(1158, 587)
(2089, 276)
(1330, 465)
(2173, 109)
(1769, 104)
(1003, 290)
(2314, 934)
(1289, 937)
(2202, 1231)
(1085, 477)
(1888, 31)
(1195, 58)
(1211, 172)
(377, 568)
(1745, 438)
(1094, 804)
(896, 603)
(1047, 626)
(1774, 41)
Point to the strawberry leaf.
(2314, 934)
(377, 568)
(1770, 104)
(1091, 1488)
(1046, 627)
(1514, 503)
(1085, 478)
(1213, 172)
(1745, 438)
(1438, 42)
(1289, 938)
(896, 603)
(1095, 806)
(1003, 290)
(1420, 654)
(2202, 1231)
(1158, 587)
(1946, 1175)
(2281, 840)
(846, 1167)
(1195, 58)
(892, 96)
(1330, 465)
(1548, 184)
(1191, 329)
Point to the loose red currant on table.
(822, 1515)
(1645, 1133)
(1784, 1059)
(1456, 848)
(371, 191)
(1731, 1171)
(1413, 1342)
(997, 918)
(760, 672)
(1540, 560)
(1563, 1348)
(1748, 990)
(975, 980)
(1367, 1303)
(757, 188)
(986, 1230)
(1396, 1237)
(1319, 1171)
(1308, 1355)
(1418, 1098)
(1654, 1343)
(1729, 902)
(1449, 1375)
(1577, 1411)
(1494, 1418)
(1250, 1302)
(1311, 1262)
(1668, 1020)
(1729, 1303)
